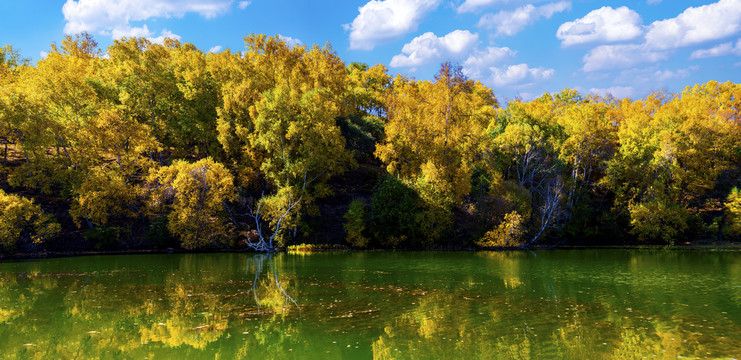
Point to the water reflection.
(576, 305)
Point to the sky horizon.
(518, 48)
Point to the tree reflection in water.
(275, 296)
(380, 305)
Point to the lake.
(572, 304)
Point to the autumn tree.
(733, 213)
(23, 222)
(277, 119)
(103, 194)
(11, 65)
(432, 138)
(194, 197)
(672, 149)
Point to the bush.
(658, 219)
(22, 221)
(509, 233)
(355, 225)
(159, 236)
(102, 237)
(395, 212)
(733, 213)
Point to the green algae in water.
(575, 304)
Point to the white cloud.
(382, 20)
(428, 48)
(720, 50)
(615, 91)
(602, 25)
(215, 49)
(144, 32)
(652, 75)
(128, 32)
(609, 57)
(290, 41)
(511, 22)
(519, 75)
(481, 61)
(43, 54)
(696, 25)
(106, 16)
(243, 4)
(473, 5)
(165, 34)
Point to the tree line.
(163, 145)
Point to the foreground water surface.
(577, 304)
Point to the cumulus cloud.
(290, 41)
(428, 48)
(382, 20)
(602, 25)
(615, 91)
(652, 75)
(473, 5)
(696, 25)
(511, 22)
(215, 49)
(243, 4)
(719, 50)
(519, 75)
(114, 17)
(144, 32)
(479, 62)
(609, 57)
(165, 34)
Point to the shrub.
(355, 225)
(395, 212)
(733, 213)
(159, 236)
(508, 233)
(102, 237)
(22, 221)
(658, 219)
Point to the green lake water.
(572, 304)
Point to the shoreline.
(697, 246)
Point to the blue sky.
(520, 48)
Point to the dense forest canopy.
(163, 145)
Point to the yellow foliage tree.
(103, 194)
(509, 233)
(733, 213)
(195, 195)
(433, 136)
(22, 220)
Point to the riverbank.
(315, 248)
